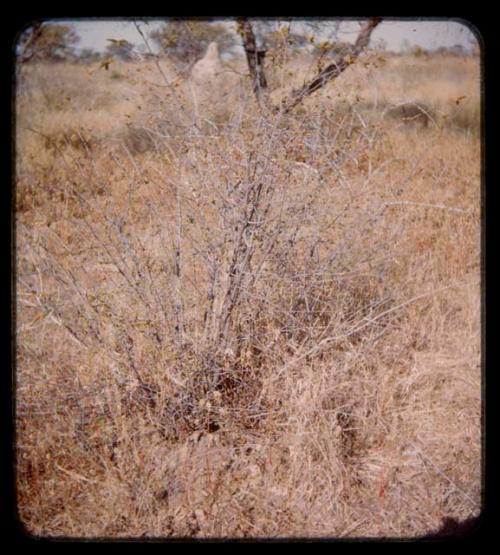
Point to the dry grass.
(238, 326)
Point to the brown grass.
(238, 326)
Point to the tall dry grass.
(237, 325)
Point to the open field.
(231, 325)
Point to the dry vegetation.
(231, 325)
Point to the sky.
(428, 34)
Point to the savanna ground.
(232, 324)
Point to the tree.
(88, 55)
(457, 50)
(121, 49)
(296, 34)
(186, 41)
(255, 59)
(284, 37)
(332, 49)
(47, 41)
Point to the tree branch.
(333, 70)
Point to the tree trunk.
(255, 60)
